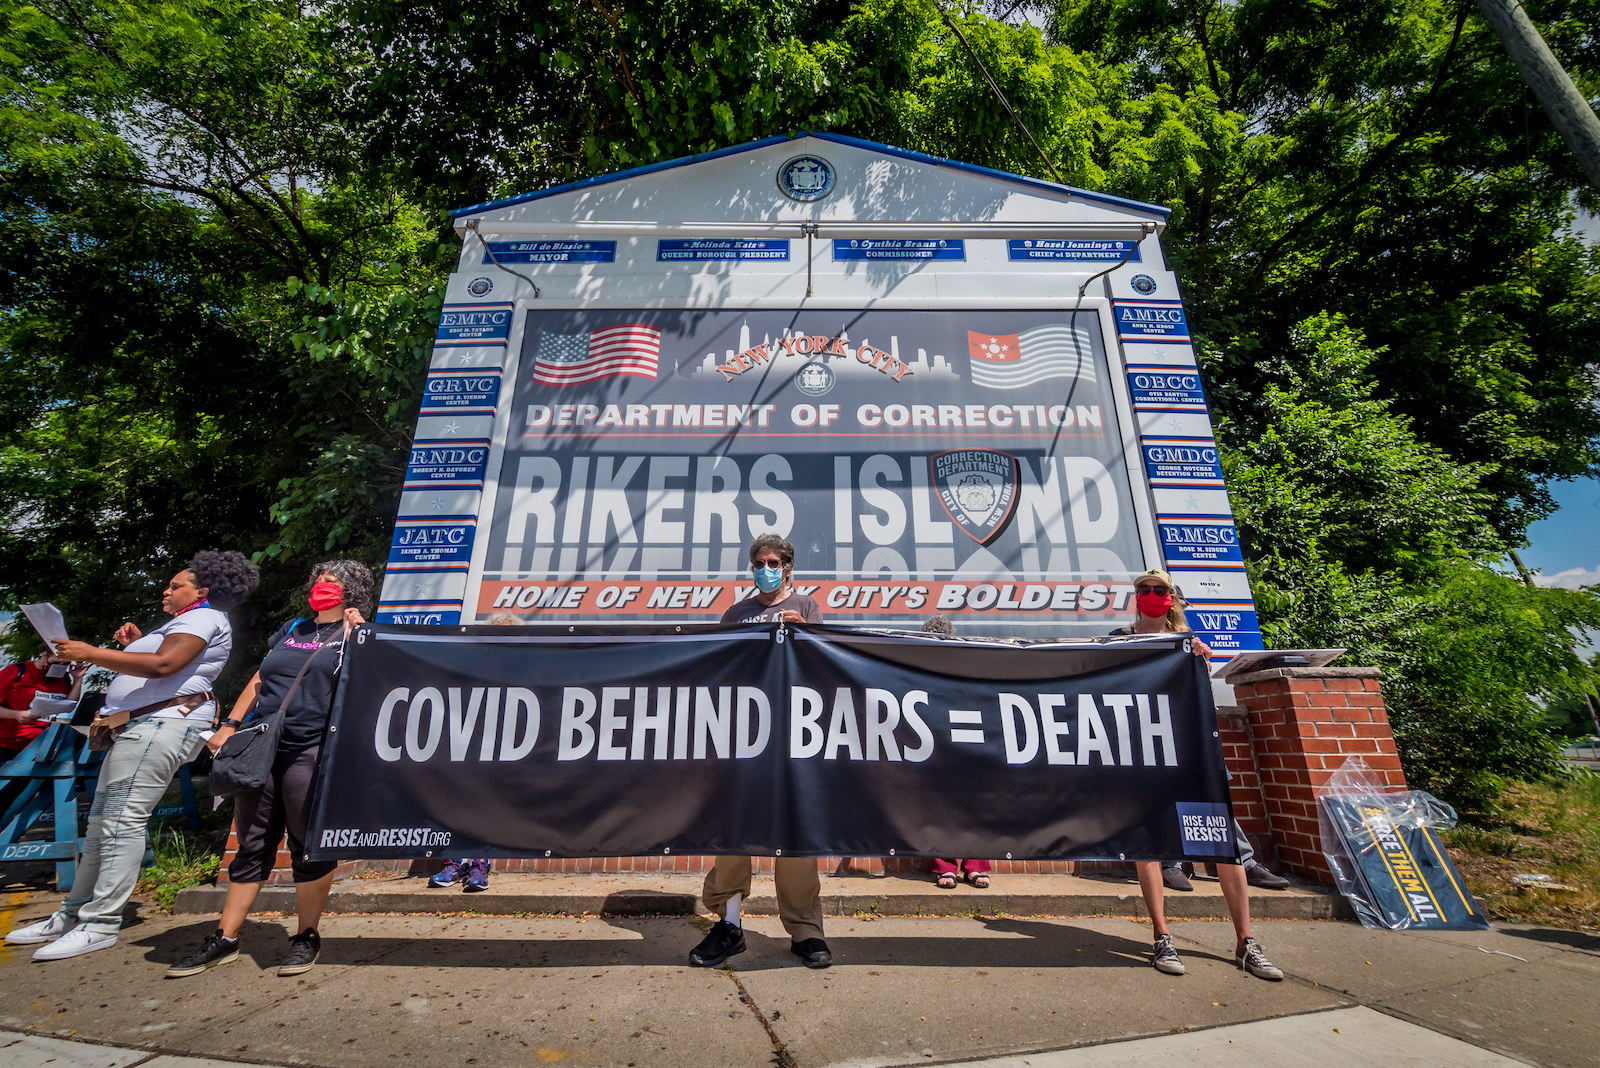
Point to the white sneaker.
(75, 943)
(48, 929)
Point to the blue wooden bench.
(39, 786)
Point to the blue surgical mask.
(769, 578)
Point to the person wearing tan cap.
(1160, 611)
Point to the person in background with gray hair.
(298, 675)
(727, 884)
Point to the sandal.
(978, 879)
(947, 880)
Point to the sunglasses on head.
(1145, 588)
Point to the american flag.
(1012, 361)
(573, 359)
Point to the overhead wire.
(1000, 96)
(472, 225)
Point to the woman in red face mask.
(297, 676)
(1160, 608)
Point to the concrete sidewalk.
(1006, 990)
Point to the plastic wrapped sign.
(1386, 857)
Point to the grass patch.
(184, 857)
(1545, 829)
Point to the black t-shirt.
(306, 718)
(751, 610)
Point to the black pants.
(261, 819)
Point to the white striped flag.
(1012, 361)
(574, 359)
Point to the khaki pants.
(799, 891)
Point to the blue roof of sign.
(855, 142)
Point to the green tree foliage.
(1390, 167)
(1361, 535)
(477, 101)
(213, 328)
(1570, 719)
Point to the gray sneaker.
(1166, 957)
(1251, 959)
(1256, 875)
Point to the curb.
(1276, 905)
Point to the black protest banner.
(769, 739)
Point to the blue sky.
(1566, 547)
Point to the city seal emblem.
(814, 379)
(978, 489)
(480, 286)
(806, 178)
(1143, 284)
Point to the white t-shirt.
(207, 624)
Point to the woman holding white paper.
(162, 695)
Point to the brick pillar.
(1304, 723)
(1249, 806)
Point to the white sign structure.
(955, 390)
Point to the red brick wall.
(840, 865)
(687, 863)
(1304, 723)
(1249, 806)
(604, 865)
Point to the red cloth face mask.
(1154, 604)
(325, 595)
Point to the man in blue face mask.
(798, 885)
(772, 564)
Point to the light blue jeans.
(137, 771)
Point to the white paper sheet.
(46, 619)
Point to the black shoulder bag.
(244, 763)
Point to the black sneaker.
(1174, 879)
(724, 940)
(303, 950)
(214, 950)
(813, 951)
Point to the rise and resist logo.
(406, 837)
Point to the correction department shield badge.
(978, 488)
